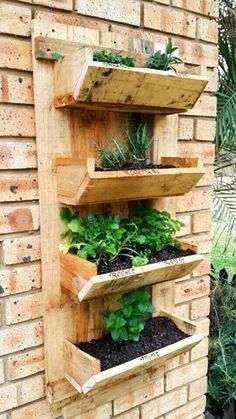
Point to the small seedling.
(127, 323)
(113, 58)
(164, 60)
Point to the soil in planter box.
(135, 166)
(158, 333)
(124, 262)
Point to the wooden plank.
(80, 184)
(155, 358)
(81, 81)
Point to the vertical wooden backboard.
(65, 131)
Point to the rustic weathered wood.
(80, 81)
(159, 357)
(79, 277)
(80, 184)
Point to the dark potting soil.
(158, 333)
(124, 262)
(135, 166)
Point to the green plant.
(134, 151)
(163, 60)
(105, 237)
(222, 346)
(113, 58)
(127, 323)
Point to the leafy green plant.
(222, 346)
(127, 323)
(164, 60)
(133, 151)
(113, 58)
(105, 237)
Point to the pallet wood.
(79, 184)
(80, 280)
(110, 376)
(82, 82)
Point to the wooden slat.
(81, 81)
(80, 184)
(155, 358)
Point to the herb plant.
(113, 58)
(133, 152)
(163, 60)
(127, 323)
(103, 238)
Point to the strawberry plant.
(113, 58)
(127, 323)
(163, 60)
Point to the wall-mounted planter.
(79, 184)
(80, 81)
(84, 371)
(79, 277)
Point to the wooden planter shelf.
(84, 372)
(80, 81)
(79, 277)
(79, 184)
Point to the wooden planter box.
(84, 372)
(79, 184)
(79, 277)
(80, 81)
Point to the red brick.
(16, 186)
(207, 30)
(202, 221)
(205, 106)
(200, 308)
(186, 229)
(16, 122)
(21, 336)
(197, 53)
(16, 88)
(164, 404)
(186, 374)
(208, 177)
(15, 20)
(57, 4)
(190, 410)
(195, 200)
(205, 129)
(204, 151)
(200, 350)
(18, 154)
(186, 128)
(20, 279)
(37, 410)
(30, 389)
(169, 20)
(25, 364)
(209, 7)
(15, 53)
(21, 249)
(18, 218)
(125, 12)
(22, 308)
(189, 290)
(204, 267)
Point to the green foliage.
(163, 60)
(134, 151)
(105, 237)
(113, 58)
(222, 347)
(127, 323)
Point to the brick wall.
(177, 390)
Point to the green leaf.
(65, 215)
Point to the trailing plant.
(164, 60)
(133, 151)
(222, 346)
(105, 237)
(113, 58)
(127, 323)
